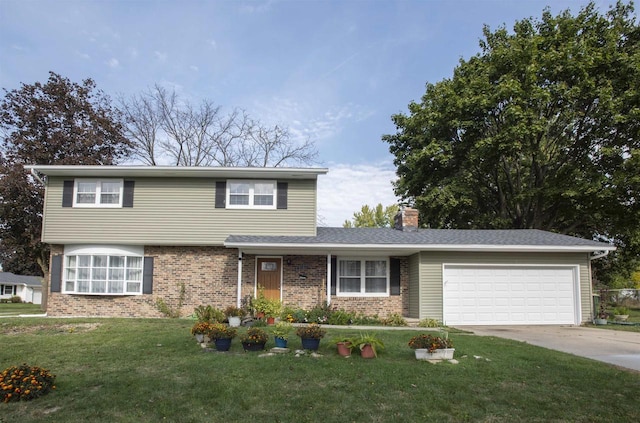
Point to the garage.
(510, 295)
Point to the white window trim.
(97, 203)
(109, 250)
(363, 277)
(251, 184)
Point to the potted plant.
(260, 303)
(281, 333)
(430, 347)
(234, 314)
(222, 335)
(254, 339)
(199, 330)
(271, 310)
(601, 317)
(621, 313)
(368, 345)
(310, 335)
(344, 345)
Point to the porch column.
(239, 278)
(329, 279)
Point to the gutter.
(35, 174)
(599, 255)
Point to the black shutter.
(221, 194)
(127, 194)
(334, 274)
(56, 272)
(282, 195)
(147, 276)
(395, 276)
(67, 194)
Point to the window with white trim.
(97, 193)
(8, 290)
(363, 277)
(102, 272)
(251, 194)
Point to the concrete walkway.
(610, 346)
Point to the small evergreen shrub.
(25, 383)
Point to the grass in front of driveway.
(146, 370)
(14, 309)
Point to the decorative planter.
(222, 344)
(621, 317)
(271, 320)
(260, 315)
(367, 352)
(441, 354)
(344, 348)
(253, 347)
(600, 321)
(310, 344)
(234, 321)
(199, 337)
(280, 342)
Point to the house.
(124, 237)
(28, 288)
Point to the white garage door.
(510, 295)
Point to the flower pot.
(271, 320)
(234, 321)
(310, 344)
(222, 344)
(440, 354)
(247, 346)
(280, 342)
(344, 348)
(621, 317)
(367, 351)
(599, 321)
(199, 337)
(260, 315)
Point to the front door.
(269, 270)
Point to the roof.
(388, 239)
(178, 171)
(9, 278)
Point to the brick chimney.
(406, 219)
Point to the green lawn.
(145, 370)
(14, 309)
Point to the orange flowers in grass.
(25, 383)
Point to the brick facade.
(210, 277)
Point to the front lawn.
(146, 370)
(14, 309)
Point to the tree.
(164, 128)
(539, 130)
(57, 123)
(369, 217)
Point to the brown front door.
(269, 270)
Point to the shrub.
(16, 300)
(340, 317)
(300, 316)
(364, 320)
(319, 314)
(429, 323)
(25, 383)
(394, 319)
(208, 314)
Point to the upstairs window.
(251, 194)
(98, 193)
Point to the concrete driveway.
(610, 346)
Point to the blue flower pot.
(280, 342)
(222, 344)
(310, 344)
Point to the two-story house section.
(125, 237)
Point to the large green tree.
(373, 217)
(56, 123)
(541, 129)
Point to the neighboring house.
(124, 237)
(28, 288)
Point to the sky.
(331, 71)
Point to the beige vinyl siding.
(175, 211)
(414, 285)
(431, 274)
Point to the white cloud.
(346, 188)
(162, 56)
(113, 62)
(83, 55)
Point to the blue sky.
(334, 71)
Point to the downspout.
(239, 278)
(329, 279)
(599, 255)
(34, 173)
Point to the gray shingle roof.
(425, 237)
(10, 278)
